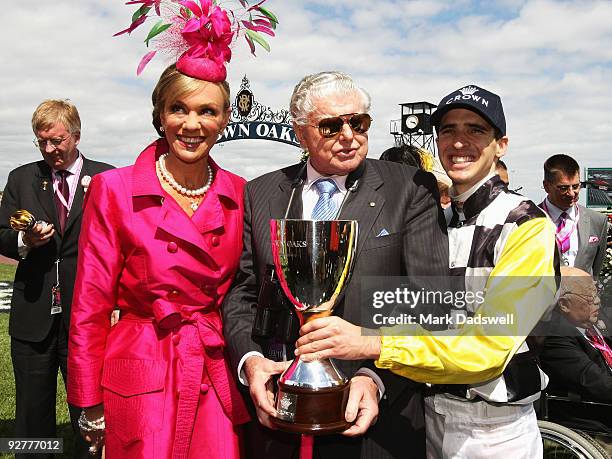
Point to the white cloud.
(551, 61)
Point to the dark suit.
(39, 339)
(575, 367)
(391, 197)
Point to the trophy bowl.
(313, 261)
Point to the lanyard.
(56, 301)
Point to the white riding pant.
(461, 429)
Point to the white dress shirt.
(310, 194)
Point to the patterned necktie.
(325, 208)
(564, 232)
(458, 216)
(64, 190)
(600, 344)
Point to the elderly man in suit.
(501, 244)
(52, 190)
(581, 232)
(401, 233)
(578, 358)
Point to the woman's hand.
(114, 318)
(333, 337)
(95, 436)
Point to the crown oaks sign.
(252, 120)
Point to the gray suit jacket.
(592, 240)
(398, 199)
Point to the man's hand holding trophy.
(313, 260)
(36, 233)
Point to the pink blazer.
(168, 274)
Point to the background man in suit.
(401, 233)
(578, 359)
(52, 190)
(581, 232)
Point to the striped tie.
(563, 233)
(600, 344)
(325, 208)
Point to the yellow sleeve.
(521, 284)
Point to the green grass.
(7, 272)
(7, 384)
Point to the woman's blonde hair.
(172, 85)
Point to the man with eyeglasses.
(401, 233)
(581, 232)
(52, 190)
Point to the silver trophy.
(313, 261)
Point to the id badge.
(56, 301)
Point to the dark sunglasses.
(331, 127)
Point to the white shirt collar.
(466, 194)
(312, 175)
(75, 166)
(555, 212)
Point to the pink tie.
(62, 209)
(599, 343)
(563, 235)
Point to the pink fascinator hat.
(199, 34)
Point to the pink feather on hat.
(200, 34)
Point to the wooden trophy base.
(311, 411)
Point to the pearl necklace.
(161, 166)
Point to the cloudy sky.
(551, 61)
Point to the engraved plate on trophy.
(313, 261)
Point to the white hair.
(319, 86)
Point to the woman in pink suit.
(160, 240)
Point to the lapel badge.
(44, 185)
(372, 204)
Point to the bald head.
(578, 299)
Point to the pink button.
(204, 388)
(172, 247)
(214, 241)
(176, 339)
